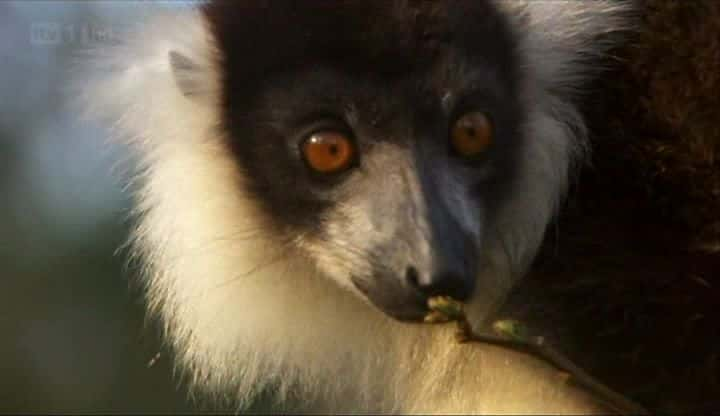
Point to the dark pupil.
(470, 131)
(333, 150)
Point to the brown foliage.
(631, 275)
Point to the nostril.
(412, 277)
(439, 284)
(446, 284)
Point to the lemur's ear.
(188, 76)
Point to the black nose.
(458, 285)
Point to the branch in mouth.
(514, 335)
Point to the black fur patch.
(377, 68)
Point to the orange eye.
(328, 152)
(472, 134)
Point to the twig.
(514, 335)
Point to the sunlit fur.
(241, 316)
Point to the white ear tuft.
(139, 83)
(190, 77)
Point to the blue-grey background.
(72, 330)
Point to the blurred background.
(73, 332)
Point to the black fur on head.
(394, 75)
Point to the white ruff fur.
(242, 313)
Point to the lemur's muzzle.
(444, 264)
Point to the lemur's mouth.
(407, 299)
(407, 307)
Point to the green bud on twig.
(512, 329)
(446, 306)
(435, 317)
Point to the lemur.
(310, 173)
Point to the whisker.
(256, 268)
(240, 235)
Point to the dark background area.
(629, 278)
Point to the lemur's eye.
(472, 134)
(328, 151)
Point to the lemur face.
(378, 137)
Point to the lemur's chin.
(398, 303)
(409, 312)
(407, 315)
